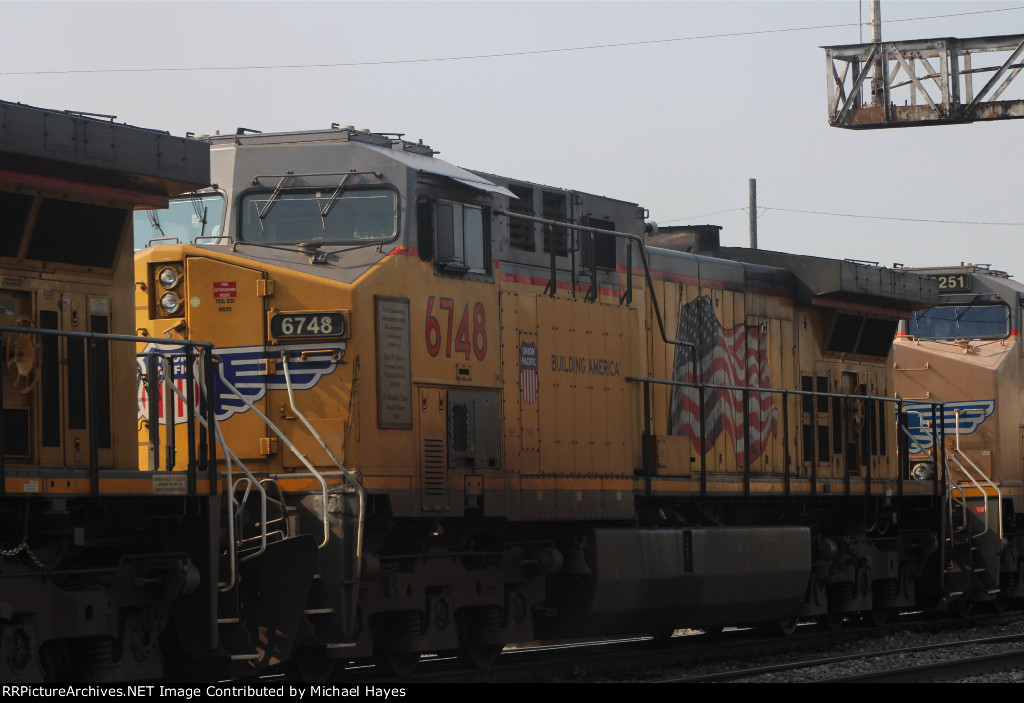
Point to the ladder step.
(228, 621)
(318, 611)
(244, 657)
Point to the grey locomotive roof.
(406, 154)
(845, 280)
(73, 146)
(985, 282)
(429, 164)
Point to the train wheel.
(831, 622)
(477, 630)
(1000, 603)
(310, 665)
(960, 608)
(786, 626)
(877, 617)
(482, 656)
(400, 664)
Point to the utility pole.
(753, 213)
(876, 38)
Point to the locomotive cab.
(966, 352)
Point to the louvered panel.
(433, 439)
(434, 468)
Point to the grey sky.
(678, 127)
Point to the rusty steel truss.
(932, 78)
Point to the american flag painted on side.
(734, 357)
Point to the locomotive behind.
(459, 410)
(966, 352)
(94, 552)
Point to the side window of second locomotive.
(462, 238)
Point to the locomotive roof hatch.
(77, 147)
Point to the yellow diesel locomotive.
(457, 410)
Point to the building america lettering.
(581, 364)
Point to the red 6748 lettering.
(470, 335)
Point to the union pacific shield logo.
(245, 369)
(968, 415)
(528, 383)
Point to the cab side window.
(462, 238)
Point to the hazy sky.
(676, 126)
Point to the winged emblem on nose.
(964, 417)
(245, 368)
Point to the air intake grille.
(433, 467)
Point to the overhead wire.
(765, 209)
(898, 219)
(470, 57)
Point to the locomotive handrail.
(760, 389)
(274, 428)
(636, 238)
(93, 411)
(917, 445)
(107, 335)
(230, 455)
(251, 481)
(259, 486)
(358, 556)
(953, 485)
(999, 493)
(964, 494)
(207, 439)
(169, 447)
(149, 242)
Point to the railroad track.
(643, 659)
(950, 668)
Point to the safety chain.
(23, 547)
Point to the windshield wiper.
(200, 209)
(967, 307)
(155, 222)
(330, 203)
(273, 199)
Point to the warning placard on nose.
(225, 289)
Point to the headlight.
(169, 303)
(168, 277)
(921, 471)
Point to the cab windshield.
(983, 321)
(186, 219)
(357, 216)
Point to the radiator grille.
(460, 427)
